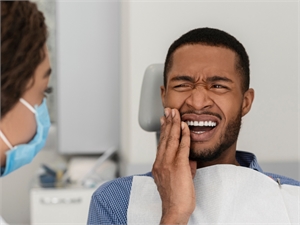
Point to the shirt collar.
(245, 159)
(248, 159)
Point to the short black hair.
(212, 37)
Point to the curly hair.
(23, 36)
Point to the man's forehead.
(205, 49)
(202, 57)
(202, 47)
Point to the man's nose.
(199, 99)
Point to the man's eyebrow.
(183, 78)
(48, 73)
(218, 78)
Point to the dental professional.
(25, 73)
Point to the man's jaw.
(220, 147)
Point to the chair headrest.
(151, 108)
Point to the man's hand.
(173, 172)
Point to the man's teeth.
(202, 123)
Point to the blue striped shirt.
(109, 202)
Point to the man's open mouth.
(200, 127)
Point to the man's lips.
(202, 126)
(214, 118)
(202, 116)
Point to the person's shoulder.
(119, 185)
(283, 179)
(248, 159)
(109, 203)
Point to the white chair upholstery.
(151, 108)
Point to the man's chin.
(203, 157)
(204, 153)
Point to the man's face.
(205, 86)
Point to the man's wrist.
(174, 218)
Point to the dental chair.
(151, 108)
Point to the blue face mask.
(23, 154)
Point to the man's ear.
(162, 95)
(247, 101)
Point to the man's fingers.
(166, 124)
(165, 127)
(193, 165)
(162, 143)
(184, 147)
(169, 136)
(173, 139)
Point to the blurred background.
(99, 53)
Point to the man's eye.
(183, 86)
(218, 86)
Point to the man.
(205, 94)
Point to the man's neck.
(227, 157)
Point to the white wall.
(269, 32)
(88, 76)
